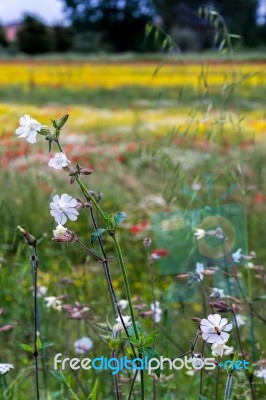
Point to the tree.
(3, 40)
(33, 36)
(239, 15)
(121, 22)
(63, 38)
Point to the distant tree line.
(119, 25)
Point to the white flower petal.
(56, 199)
(227, 328)
(223, 322)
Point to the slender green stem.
(132, 385)
(92, 199)
(217, 380)
(228, 387)
(124, 273)
(34, 262)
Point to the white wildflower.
(240, 320)
(59, 231)
(237, 256)
(41, 291)
(4, 368)
(157, 311)
(123, 304)
(261, 374)
(29, 128)
(53, 302)
(83, 345)
(118, 327)
(218, 349)
(63, 208)
(217, 293)
(200, 270)
(200, 233)
(215, 328)
(58, 161)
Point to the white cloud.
(13, 10)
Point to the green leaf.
(133, 341)
(26, 347)
(113, 344)
(151, 353)
(96, 234)
(38, 343)
(93, 394)
(119, 217)
(46, 345)
(151, 338)
(131, 331)
(59, 376)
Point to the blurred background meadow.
(168, 109)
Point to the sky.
(49, 10)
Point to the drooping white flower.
(4, 368)
(83, 345)
(240, 320)
(126, 319)
(215, 328)
(63, 208)
(53, 302)
(29, 128)
(41, 291)
(237, 256)
(58, 161)
(261, 374)
(200, 233)
(123, 304)
(217, 293)
(59, 231)
(157, 311)
(118, 327)
(218, 349)
(200, 270)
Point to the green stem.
(123, 269)
(132, 385)
(228, 387)
(92, 199)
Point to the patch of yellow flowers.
(113, 75)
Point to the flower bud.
(67, 237)
(29, 239)
(85, 171)
(221, 306)
(59, 123)
(45, 130)
(181, 277)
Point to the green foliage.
(121, 23)
(62, 38)
(33, 36)
(3, 39)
